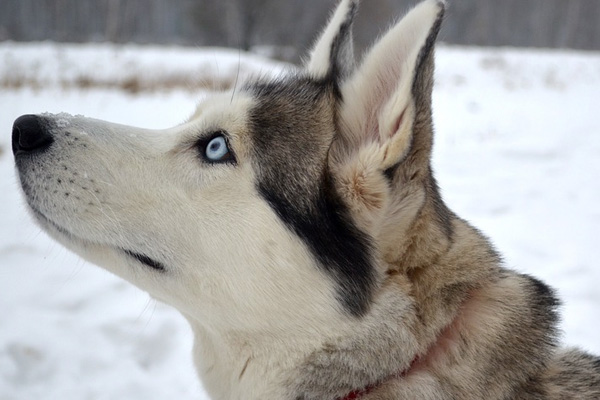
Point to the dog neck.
(328, 364)
(408, 317)
(439, 348)
(357, 394)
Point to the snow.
(44, 65)
(517, 153)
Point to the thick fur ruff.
(297, 225)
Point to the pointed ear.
(391, 87)
(384, 129)
(333, 53)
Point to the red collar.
(357, 394)
(446, 336)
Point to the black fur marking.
(596, 364)
(544, 293)
(544, 305)
(341, 55)
(390, 173)
(424, 54)
(293, 124)
(443, 214)
(146, 260)
(339, 246)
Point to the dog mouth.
(144, 259)
(40, 216)
(139, 257)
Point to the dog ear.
(391, 87)
(385, 116)
(333, 53)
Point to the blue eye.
(216, 150)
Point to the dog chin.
(50, 226)
(64, 236)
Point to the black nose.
(30, 135)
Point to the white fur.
(247, 285)
(253, 293)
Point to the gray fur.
(445, 262)
(407, 299)
(342, 48)
(332, 56)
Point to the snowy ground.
(517, 153)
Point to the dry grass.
(129, 84)
(131, 69)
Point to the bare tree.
(293, 23)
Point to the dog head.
(282, 205)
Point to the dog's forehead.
(291, 123)
(222, 111)
(298, 109)
(286, 118)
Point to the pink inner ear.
(373, 129)
(398, 123)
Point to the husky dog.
(298, 228)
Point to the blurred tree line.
(289, 26)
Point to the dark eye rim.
(202, 143)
